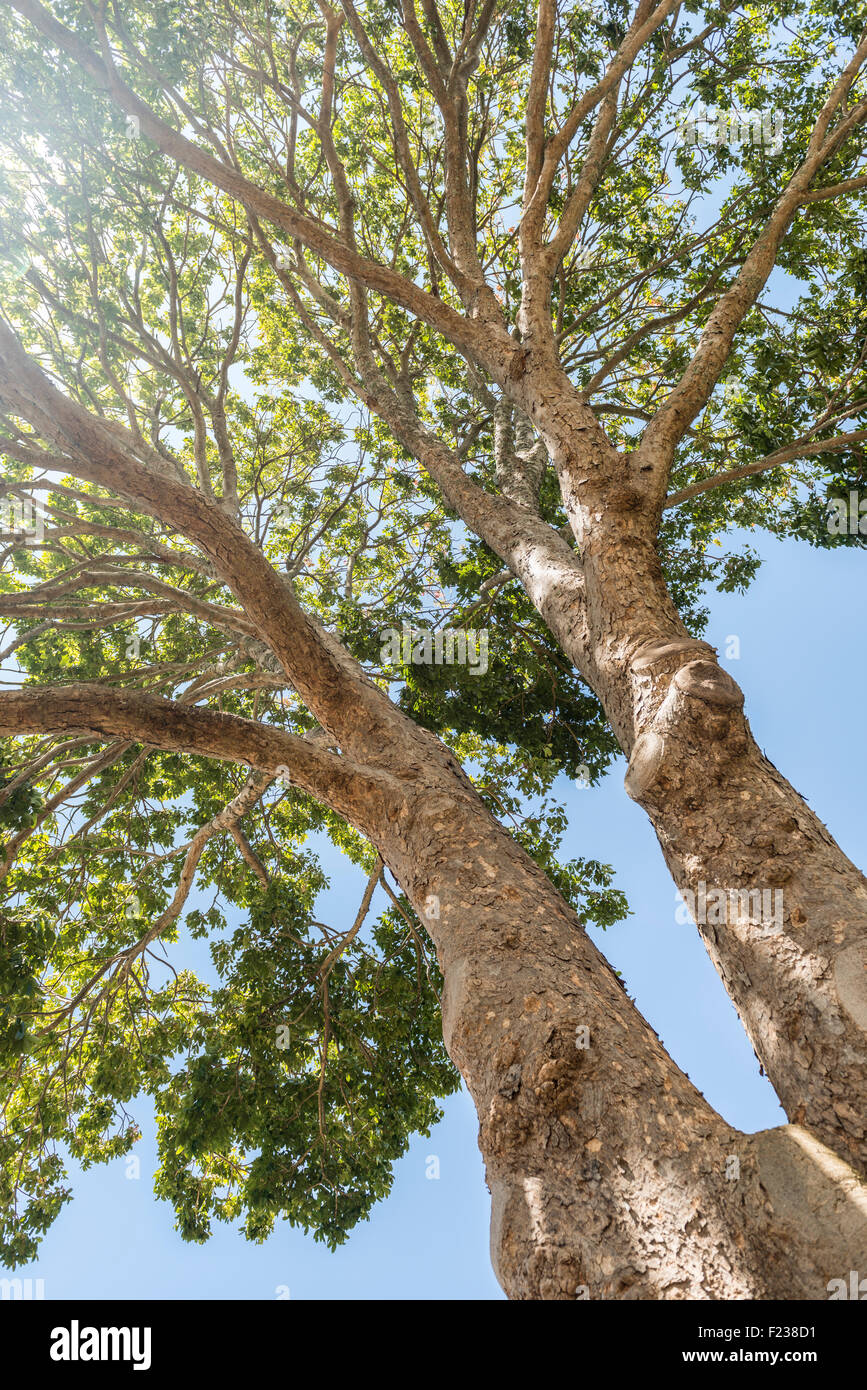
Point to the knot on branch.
(654, 653)
(646, 762)
(703, 704)
(624, 498)
(705, 680)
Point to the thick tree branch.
(136, 717)
(331, 683)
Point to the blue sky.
(802, 666)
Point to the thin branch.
(762, 465)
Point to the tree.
(266, 262)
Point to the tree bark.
(724, 816)
(611, 1176)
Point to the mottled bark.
(724, 815)
(611, 1176)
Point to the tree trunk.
(728, 823)
(610, 1174)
